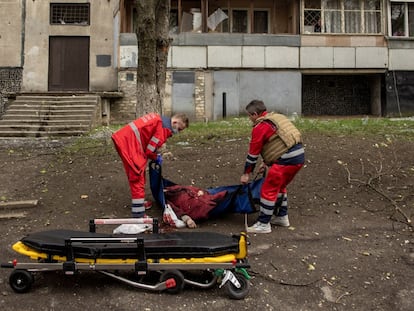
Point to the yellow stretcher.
(173, 260)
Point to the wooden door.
(69, 63)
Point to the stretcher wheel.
(237, 293)
(21, 281)
(178, 278)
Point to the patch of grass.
(241, 128)
(209, 132)
(365, 126)
(98, 140)
(236, 128)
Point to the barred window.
(70, 13)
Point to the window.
(312, 16)
(69, 13)
(233, 20)
(342, 16)
(240, 21)
(260, 21)
(173, 21)
(225, 23)
(402, 19)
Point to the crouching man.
(139, 141)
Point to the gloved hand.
(158, 160)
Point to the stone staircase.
(50, 115)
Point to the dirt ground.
(348, 247)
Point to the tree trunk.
(153, 46)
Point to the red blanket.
(192, 201)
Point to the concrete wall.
(210, 51)
(11, 33)
(11, 60)
(195, 51)
(270, 69)
(38, 30)
(344, 57)
(401, 54)
(280, 91)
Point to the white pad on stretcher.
(132, 228)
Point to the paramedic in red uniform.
(279, 143)
(139, 141)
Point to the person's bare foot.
(189, 221)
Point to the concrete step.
(34, 133)
(57, 127)
(56, 98)
(42, 116)
(52, 103)
(45, 122)
(45, 107)
(49, 113)
(56, 117)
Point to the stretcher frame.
(227, 270)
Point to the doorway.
(68, 64)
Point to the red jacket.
(261, 133)
(140, 140)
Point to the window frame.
(248, 26)
(268, 20)
(341, 11)
(407, 33)
(62, 22)
(250, 13)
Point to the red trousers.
(276, 181)
(136, 180)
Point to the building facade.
(310, 57)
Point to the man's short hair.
(183, 117)
(256, 106)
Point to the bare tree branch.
(369, 183)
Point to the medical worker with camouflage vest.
(139, 141)
(279, 143)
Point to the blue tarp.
(239, 198)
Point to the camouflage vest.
(287, 136)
